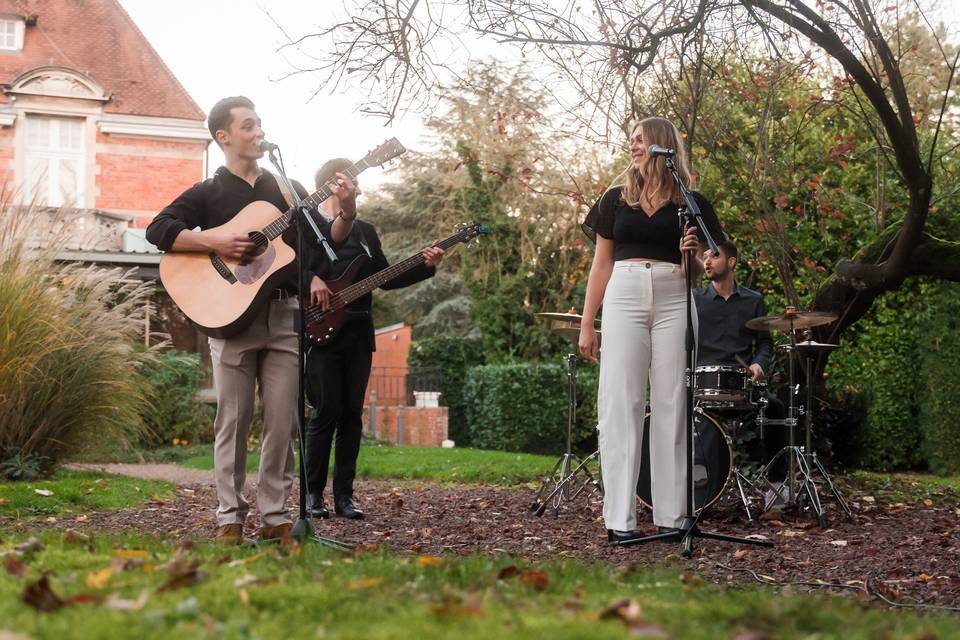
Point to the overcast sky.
(219, 48)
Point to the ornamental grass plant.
(71, 375)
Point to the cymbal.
(810, 345)
(566, 317)
(570, 333)
(789, 321)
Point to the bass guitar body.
(324, 326)
(223, 295)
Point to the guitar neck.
(368, 284)
(281, 224)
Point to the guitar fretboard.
(281, 224)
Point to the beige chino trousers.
(264, 353)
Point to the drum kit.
(727, 399)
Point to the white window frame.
(18, 28)
(52, 154)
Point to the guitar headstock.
(470, 233)
(383, 153)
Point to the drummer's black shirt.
(722, 334)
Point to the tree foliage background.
(825, 133)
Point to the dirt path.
(168, 472)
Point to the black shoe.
(615, 536)
(316, 508)
(345, 508)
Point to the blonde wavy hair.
(654, 182)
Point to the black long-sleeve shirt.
(318, 264)
(215, 201)
(722, 334)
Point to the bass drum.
(712, 461)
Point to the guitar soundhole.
(260, 243)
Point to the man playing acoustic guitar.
(337, 373)
(264, 352)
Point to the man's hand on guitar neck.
(432, 256)
(224, 243)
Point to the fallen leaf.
(40, 596)
(3, 501)
(509, 571)
(838, 543)
(630, 613)
(43, 492)
(29, 546)
(251, 579)
(776, 523)
(72, 536)
(247, 560)
(536, 579)
(364, 583)
(244, 597)
(99, 579)
(14, 567)
(114, 602)
(131, 554)
(429, 561)
(83, 518)
(928, 502)
(869, 499)
(740, 553)
(460, 606)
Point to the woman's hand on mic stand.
(690, 243)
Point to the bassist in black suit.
(337, 372)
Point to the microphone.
(657, 150)
(263, 145)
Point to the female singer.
(638, 274)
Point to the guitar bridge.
(222, 268)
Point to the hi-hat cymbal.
(810, 345)
(565, 317)
(791, 320)
(570, 333)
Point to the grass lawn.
(76, 492)
(429, 463)
(133, 588)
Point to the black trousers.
(336, 383)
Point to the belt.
(282, 294)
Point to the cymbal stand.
(571, 476)
(799, 457)
(811, 453)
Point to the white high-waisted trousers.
(643, 328)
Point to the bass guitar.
(324, 326)
(223, 295)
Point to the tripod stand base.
(563, 483)
(790, 492)
(304, 530)
(690, 529)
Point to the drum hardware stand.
(689, 527)
(803, 458)
(562, 483)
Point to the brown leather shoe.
(229, 534)
(280, 532)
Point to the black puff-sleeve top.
(636, 234)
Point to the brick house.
(94, 124)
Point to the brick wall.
(142, 174)
(422, 426)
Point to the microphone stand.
(303, 528)
(689, 528)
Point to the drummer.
(724, 307)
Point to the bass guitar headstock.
(384, 153)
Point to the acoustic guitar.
(223, 295)
(323, 326)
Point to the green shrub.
(70, 376)
(453, 356)
(940, 389)
(880, 363)
(176, 415)
(523, 407)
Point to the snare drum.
(723, 386)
